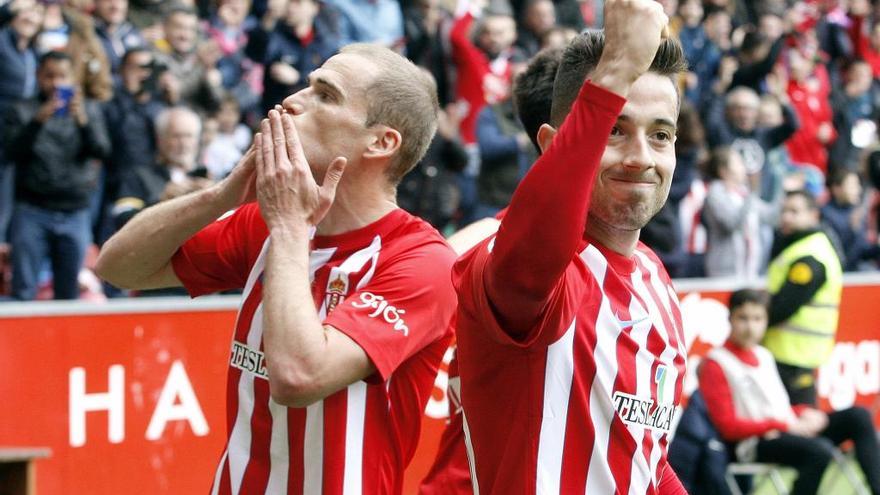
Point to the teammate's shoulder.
(412, 234)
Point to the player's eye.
(663, 136)
(616, 131)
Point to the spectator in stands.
(702, 54)
(18, 58)
(130, 117)
(18, 81)
(805, 282)
(864, 37)
(73, 32)
(856, 108)
(538, 19)
(484, 62)
(733, 121)
(757, 54)
(734, 215)
(175, 171)
(749, 406)
(846, 215)
(809, 90)
(229, 140)
(426, 24)
(430, 190)
(229, 30)
(117, 35)
(291, 48)
(50, 137)
(506, 153)
(192, 67)
(484, 75)
(372, 21)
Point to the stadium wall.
(129, 395)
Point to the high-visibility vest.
(807, 337)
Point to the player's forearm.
(145, 245)
(547, 215)
(293, 336)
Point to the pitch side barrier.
(129, 395)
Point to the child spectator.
(750, 408)
(229, 140)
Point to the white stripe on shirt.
(558, 375)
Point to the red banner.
(132, 394)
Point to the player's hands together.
(287, 192)
(633, 31)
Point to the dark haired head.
(134, 51)
(742, 297)
(533, 91)
(838, 175)
(582, 56)
(719, 159)
(54, 56)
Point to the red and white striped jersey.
(387, 287)
(584, 403)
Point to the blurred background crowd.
(110, 106)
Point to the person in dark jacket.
(116, 34)
(130, 118)
(733, 121)
(18, 81)
(505, 155)
(847, 217)
(292, 48)
(50, 138)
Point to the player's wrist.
(616, 77)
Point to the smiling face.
(636, 169)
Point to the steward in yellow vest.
(805, 281)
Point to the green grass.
(833, 482)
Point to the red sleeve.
(719, 402)
(669, 482)
(547, 215)
(862, 44)
(472, 66)
(474, 305)
(406, 306)
(857, 35)
(219, 257)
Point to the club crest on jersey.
(337, 288)
(379, 307)
(643, 412)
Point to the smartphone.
(63, 93)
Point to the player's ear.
(545, 136)
(385, 142)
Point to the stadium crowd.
(110, 106)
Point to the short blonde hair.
(402, 97)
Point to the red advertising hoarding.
(129, 396)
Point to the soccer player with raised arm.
(347, 298)
(570, 344)
(532, 96)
